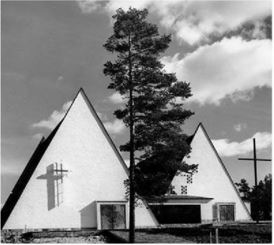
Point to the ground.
(248, 233)
(88, 236)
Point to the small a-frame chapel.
(75, 180)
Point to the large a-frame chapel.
(75, 180)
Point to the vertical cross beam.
(255, 159)
(59, 176)
(255, 162)
(57, 184)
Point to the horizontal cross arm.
(258, 159)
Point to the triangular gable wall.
(25, 176)
(212, 179)
(96, 172)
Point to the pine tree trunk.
(131, 174)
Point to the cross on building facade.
(255, 160)
(59, 174)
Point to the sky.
(50, 49)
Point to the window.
(113, 216)
(184, 190)
(224, 212)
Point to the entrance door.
(226, 212)
(113, 216)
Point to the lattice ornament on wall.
(189, 179)
(195, 170)
(184, 190)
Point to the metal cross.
(255, 159)
(61, 171)
(59, 174)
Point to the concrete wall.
(144, 216)
(211, 180)
(95, 173)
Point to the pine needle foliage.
(158, 97)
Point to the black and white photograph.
(146, 121)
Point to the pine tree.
(260, 197)
(154, 98)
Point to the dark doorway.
(113, 216)
(177, 214)
(226, 212)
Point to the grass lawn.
(251, 233)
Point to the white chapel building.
(75, 179)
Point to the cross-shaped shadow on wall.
(52, 186)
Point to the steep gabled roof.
(38, 154)
(222, 164)
(25, 176)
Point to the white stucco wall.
(144, 216)
(211, 180)
(95, 174)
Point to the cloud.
(60, 78)
(115, 127)
(89, 6)
(194, 21)
(239, 127)
(116, 98)
(254, 29)
(37, 136)
(231, 67)
(226, 148)
(54, 118)
(191, 21)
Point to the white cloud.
(231, 67)
(116, 98)
(239, 127)
(226, 148)
(191, 21)
(196, 20)
(60, 78)
(37, 136)
(54, 118)
(115, 127)
(88, 6)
